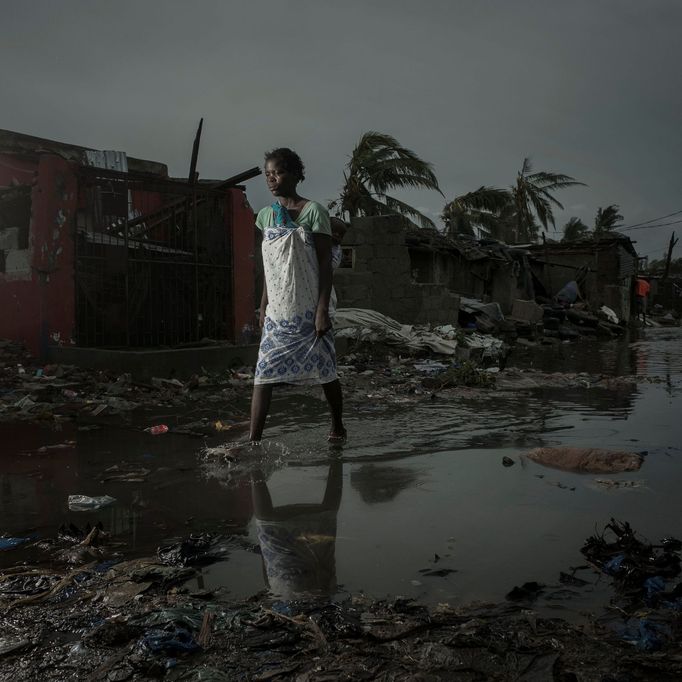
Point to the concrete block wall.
(381, 277)
(438, 305)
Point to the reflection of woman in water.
(298, 540)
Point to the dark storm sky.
(591, 88)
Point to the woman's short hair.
(287, 159)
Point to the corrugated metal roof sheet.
(110, 160)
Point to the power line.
(647, 227)
(646, 222)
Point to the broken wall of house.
(381, 275)
(36, 278)
(611, 268)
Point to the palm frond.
(483, 199)
(401, 208)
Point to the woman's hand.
(322, 322)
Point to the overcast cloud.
(591, 88)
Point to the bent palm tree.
(575, 229)
(532, 197)
(377, 165)
(478, 209)
(606, 220)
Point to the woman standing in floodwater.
(297, 342)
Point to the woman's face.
(279, 181)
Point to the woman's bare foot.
(337, 437)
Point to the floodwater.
(417, 489)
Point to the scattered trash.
(437, 572)
(157, 430)
(128, 473)
(645, 634)
(612, 484)
(609, 314)
(11, 543)
(430, 366)
(200, 549)
(174, 641)
(10, 645)
(25, 403)
(640, 570)
(526, 592)
(66, 445)
(86, 503)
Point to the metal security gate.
(153, 262)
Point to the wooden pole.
(673, 241)
(195, 154)
(548, 266)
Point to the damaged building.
(100, 249)
(606, 268)
(419, 275)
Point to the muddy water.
(417, 489)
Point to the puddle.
(417, 503)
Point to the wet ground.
(417, 503)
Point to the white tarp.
(369, 325)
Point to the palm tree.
(532, 200)
(575, 229)
(377, 165)
(478, 209)
(607, 220)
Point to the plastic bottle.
(157, 430)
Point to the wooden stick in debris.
(35, 598)
(206, 632)
(91, 537)
(306, 622)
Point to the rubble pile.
(548, 324)
(31, 391)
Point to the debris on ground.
(136, 621)
(586, 460)
(88, 503)
(647, 600)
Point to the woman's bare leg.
(260, 404)
(334, 396)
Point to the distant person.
(297, 342)
(642, 289)
(568, 294)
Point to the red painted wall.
(242, 222)
(38, 306)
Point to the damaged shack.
(99, 249)
(607, 266)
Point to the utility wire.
(647, 227)
(646, 222)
